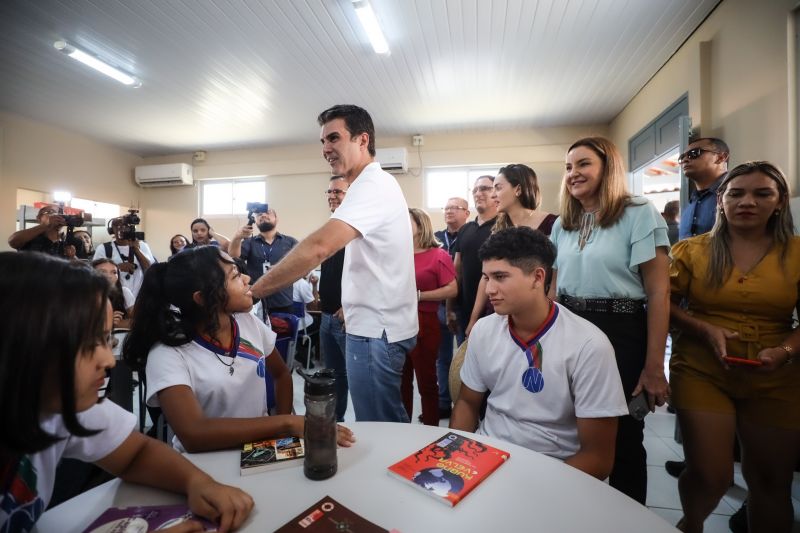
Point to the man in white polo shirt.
(553, 378)
(379, 296)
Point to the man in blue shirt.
(262, 252)
(705, 163)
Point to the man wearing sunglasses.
(705, 163)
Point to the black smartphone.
(639, 407)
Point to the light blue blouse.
(608, 265)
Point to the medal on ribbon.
(533, 377)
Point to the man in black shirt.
(331, 330)
(469, 268)
(43, 238)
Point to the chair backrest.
(293, 321)
(286, 344)
(299, 309)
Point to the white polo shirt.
(378, 288)
(580, 375)
(220, 393)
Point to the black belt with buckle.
(625, 306)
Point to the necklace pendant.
(230, 370)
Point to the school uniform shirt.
(378, 289)
(133, 281)
(302, 291)
(31, 488)
(207, 371)
(578, 378)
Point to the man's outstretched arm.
(309, 253)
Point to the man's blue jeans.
(332, 342)
(374, 373)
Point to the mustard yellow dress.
(756, 304)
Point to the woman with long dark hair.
(121, 298)
(730, 368)
(516, 191)
(206, 355)
(204, 235)
(55, 350)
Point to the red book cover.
(450, 467)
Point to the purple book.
(144, 519)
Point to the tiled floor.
(662, 489)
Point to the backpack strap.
(107, 246)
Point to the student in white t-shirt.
(206, 362)
(379, 294)
(49, 387)
(552, 375)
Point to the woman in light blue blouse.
(612, 269)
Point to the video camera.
(255, 207)
(127, 226)
(72, 221)
(75, 220)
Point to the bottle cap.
(320, 382)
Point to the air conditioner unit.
(164, 175)
(393, 160)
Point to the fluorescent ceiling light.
(91, 61)
(370, 24)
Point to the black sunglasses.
(694, 153)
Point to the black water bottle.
(320, 428)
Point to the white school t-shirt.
(242, 394)
(30, 492)
(134, 283)
(379, 292)
(581, 380)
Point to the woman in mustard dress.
(740, 285)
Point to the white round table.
(531, 492)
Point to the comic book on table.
(330, 516)
(271, 454)
(145, 518)
(450, 468)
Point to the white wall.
(43, 158)
(735, 69)
(297, 177)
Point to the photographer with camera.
(43, 238)
(128, 250)
(263, 251)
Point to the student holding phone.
(730, 369)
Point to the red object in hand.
(740, 361)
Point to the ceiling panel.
(242, 73)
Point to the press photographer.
(263, 251)
(128, 250)
(46, 237)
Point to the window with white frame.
(442, 183)
(231, 196)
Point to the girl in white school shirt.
(54, 353)
(206, 355)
